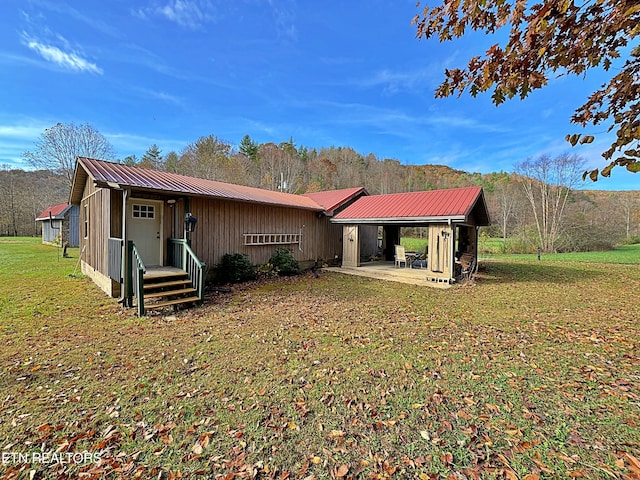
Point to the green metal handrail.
(135, 274)
(195, 270)
(182, 256)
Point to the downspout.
(124, 287)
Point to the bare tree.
(628, 204)
(8, 202)
(547, 183)
(506, 200)
(24, 194)
(207, 158)
(59, 146)
(280, 166)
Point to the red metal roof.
(431, 205)
(332, 199)
(54, 211)
(108, 174)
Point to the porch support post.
(128, 280)
(126, 286)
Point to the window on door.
(144, 211)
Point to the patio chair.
(421, 260)
(400, 256)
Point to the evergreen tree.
(130, 160)
(171, 161)
(152, 158)
(249, 148)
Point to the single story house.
(60, 225)
(150, 235)
(138, 225)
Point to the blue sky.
(339, 73)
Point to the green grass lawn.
(414, 244)
(625, 254)
(533, 372)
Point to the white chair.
(400, 256)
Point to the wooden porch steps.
(164, 293)
(164, 288)
(168, 303)
(158, 285)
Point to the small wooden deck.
(388, 271)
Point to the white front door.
(144, 223)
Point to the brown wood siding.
(96, 244)
(222, 225)
(220, 229)
(116, 214)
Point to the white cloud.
(61, 7)
(21, 131)
(284, 15)
(69, 60)
(186, 13)
(394, 81)
(130, 144)
(163, 96)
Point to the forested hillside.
(24, 195)
(591, 219)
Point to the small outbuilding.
(60, 225)
(453, 217)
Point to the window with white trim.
(144, 211)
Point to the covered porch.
(452, 218)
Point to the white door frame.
(159, 209)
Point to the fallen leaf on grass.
(634, 462)
(577, 474)
(202, 443)
(341, 471)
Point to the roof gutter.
(400, 220)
